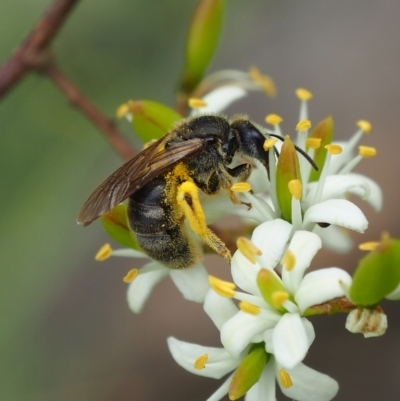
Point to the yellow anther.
(248, 249)
(284, 379)
(130, 276)
(273, 119)
(249, 308)
(303, 94)
(224, 288)
(269, 143)
(241, 187)
(200, 362)
(364, 125)
(196, 103)
(313, 143)
(368, 246)
(264, 81)
(295, 188)
(288, 260)
(122, 110)
(278, 298)
(366, 151)
(334, 149)
(104, 253)
(303, 125)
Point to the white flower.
(192, 283)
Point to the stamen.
(264, 81)
(200, 362)
(313, 143)
(249, 308)
(104, 253)
(334, 149)
(241, 187)
(196, 103)
(366, 151)
(221, 287)
(288, 260)
(303, 125)
(295, 188)
(278, 298)
(269, 143)
(122, 110)
(248, 249)
(369, 246)
(284, 379)
(131, 275)
(364, 125)
(273, 119)
(303, 94)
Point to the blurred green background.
(66, 332)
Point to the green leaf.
(201, 43)
(377, 274)
(116, 226)
(323, 131)
(287, 169)
(152, 120)
(248, 372)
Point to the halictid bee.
(162, 183)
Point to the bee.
(163, 180)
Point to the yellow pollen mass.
(196, 103)
(264, 81)
(303, 94)
(249, 308)
(278, 298)
(368, 246)
(288, 260)
(104, 253)
(334, 149)
(366, 151)
(313, 143)
(248, 249)
(241, 187)
(295, 188)
(273, 119)
(284, 379)
(269, 143)
(364, 125)
(122, 110)
(200, 362)
(130, 276)
(303, 125)
(224, 288)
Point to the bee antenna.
(301, 151)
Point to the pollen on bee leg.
(269, 143)
(285, 379)
(196, 103)
(224, 288)
(104, 253)
(200, 362)
(248, 249)
(130, 276)
(241, 187)
(288, 260)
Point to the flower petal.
(339, 212)
(310, 385)
(264, 389)
(221, 390)
(322, 285)
(185, 354)
(304, 245)
(192, 282)
(271, 238)
(335, 238)
(140, 288)
(238, 332)
(244, 273)
(219, 309)
(291, 339)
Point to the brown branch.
(34, 55)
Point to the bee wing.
(131, 176)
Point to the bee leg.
(242, 171)
(189, 203)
